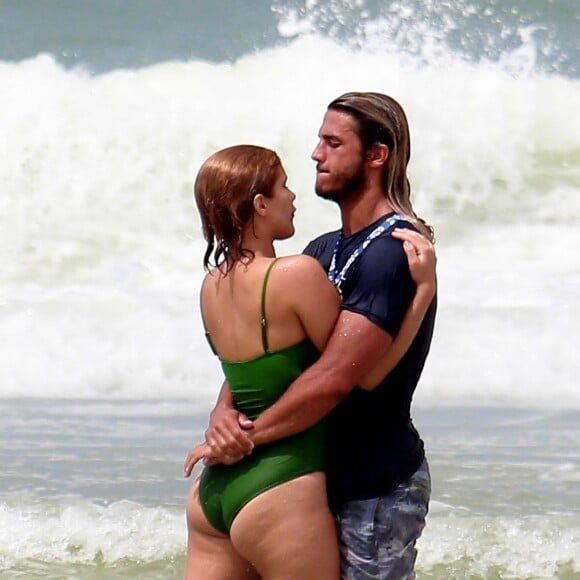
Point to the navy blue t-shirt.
(373, 445)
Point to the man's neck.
(358, 213)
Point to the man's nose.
(316, 155)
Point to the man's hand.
(227, 436)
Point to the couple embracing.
(313, 467)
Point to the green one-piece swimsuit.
(255, 385)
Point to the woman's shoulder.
(299, 265)
(210, 281)
(299, 275)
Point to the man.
(378, 478)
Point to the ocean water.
(108, 108)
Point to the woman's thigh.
(288, 532)
(210, 554)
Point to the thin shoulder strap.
(263, 323)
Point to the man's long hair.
(381, 119)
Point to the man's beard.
(348, 185)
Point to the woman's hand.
(421, 256)
(194, 456)
(203, 452)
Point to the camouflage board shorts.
(378, 535)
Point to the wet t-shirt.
(373, 445)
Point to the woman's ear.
(260, 205)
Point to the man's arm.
(316, 304)
(356, 348)
(353, 349)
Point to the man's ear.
(377, 155)
(260, 205)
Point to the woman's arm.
(422, 260)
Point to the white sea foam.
(468, 546)
(101, 246)
(87, 533)
(465, 544)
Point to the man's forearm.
(312, 396)
(350, 353)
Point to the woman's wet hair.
(381, 119)
(224, 189)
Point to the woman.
(267, 319)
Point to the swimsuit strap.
(263, 307)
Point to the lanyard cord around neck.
(338, 278)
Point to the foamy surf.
(105, 376)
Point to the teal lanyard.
(338, 278)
